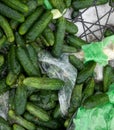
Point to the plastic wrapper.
(102, 116)
(62, 69)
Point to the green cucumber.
(40, 2)
(86, 72)
(75, 41)
(14, 65)
(71, 27)
(59, 37)
(43, 83)
(1, 60)
(30, 21)
(68, 3)
(17, 127)
(2, 41)
(7, 29)
(3, 86)
(11, 13)
(19, 40)
(14, 24)
(37, 112)
(43, 41)
(57, 112)
(36, 47)
(21, 121)
(26, 62)
(68, 49)
(49, 36)
(39, 26)
(95, 100)
(11, 103)
(77, 63)
(4, 124)
(17, 5)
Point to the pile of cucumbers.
(26, 28)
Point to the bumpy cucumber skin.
(39, 27)
(59, 37)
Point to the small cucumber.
(21, 121)
(37, 112)
(14, 24)
(3, 86)
(30, 21)
(43, 41)
(77, 63)
(68, 49)
(1, 60)
(19, 40)
(2, 41)
(39, 26)
(40, 2)
(68, 3)
(1, 33)
(17, 127)
(11, 13)
(4, 124)
(57, 112)
(11, 103)
(95, 100)
(75, 41)
(7, 29)
(49, 36)
(43, 83)
(71, 27)
(59, 37)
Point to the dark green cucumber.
(43, 83)
(7, 29)
(30, 21)
(17, 5)
(89, 90)
(2, 41)
(59, 37)
(49, 36)
(43, 41)
(21, 121)
(20, 97)
(75, 41)
(58, 4)
(68, 3)
(76, 98)
(33, 57)
(14, 65)
(11, 13)
(26, 62)
(86, 72)
(87, 3)
(52, 124)
(36, 47)
(96, 100)
(3, 86)
(39, 26)
(77, 63)
(37, 112)
(14, 24)
(4, 124)
(57, 112)
(11, 102)
(108, 77)
(17, 127)
(71, 27)
(68, 49)
(1, 60)
(19, 40)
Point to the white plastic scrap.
(62, 69)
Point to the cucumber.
(1, 60)
(10, 13)
(71, 27)
(49, 36)
(43, 41)
(7, 29)
(33, 57)
(4, 124)
(21, 121)
(57, 112)
(68, 49)
(95, 100)
(37, 112)
(14, 24)
(19, 40)
(89, 90)
(40, 2)
(14, 65)
(52, 124)
(77, 63)
(3, 86)
(17, 5)
(1, 33)
(36, 47)
(30, 21)
(43, 83)
(86, 3)
(68, 3)
(39, 26)
(75, 41)
(86, 72)
(59, 37)
(2, 41)
(11, 103)
(26, 62)
(58, 4)
(17, 127)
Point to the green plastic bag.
(94, 51)
(98, 118)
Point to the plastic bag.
(62, 69)
(98, 118)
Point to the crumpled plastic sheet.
(98, 118)
(62, 69)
